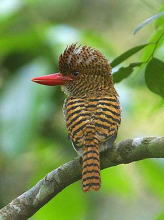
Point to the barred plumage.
(91, 122)
(91, 166)
(92, 109)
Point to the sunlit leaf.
(159, 24)
(154, 76)
(148, 21)
(149, 49)
(124, 72)
(127, 54)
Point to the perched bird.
(92, 109)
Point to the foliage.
(149, 20)
(154, 72)
(154, 76)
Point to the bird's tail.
(91, 166)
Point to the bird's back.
(91, 122)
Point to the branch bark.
(24, 206)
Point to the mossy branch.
(27, 204)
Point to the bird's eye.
(75, 73)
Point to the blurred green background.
(33, 134)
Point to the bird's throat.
(87, 87)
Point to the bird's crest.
(80, 58)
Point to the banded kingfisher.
(91, 109)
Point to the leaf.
(154, 76)
(127, 54)
(159, 24)
(149, 49)
(124, 72)
(149, 20)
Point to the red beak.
(52, 79)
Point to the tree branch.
(54, 182)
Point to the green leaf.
(154, 76)
(149, 49)
(126, 55)
(149, 20)
(124, 72)
(159, 23)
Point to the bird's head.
(82, 70)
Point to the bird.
(92, 109)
